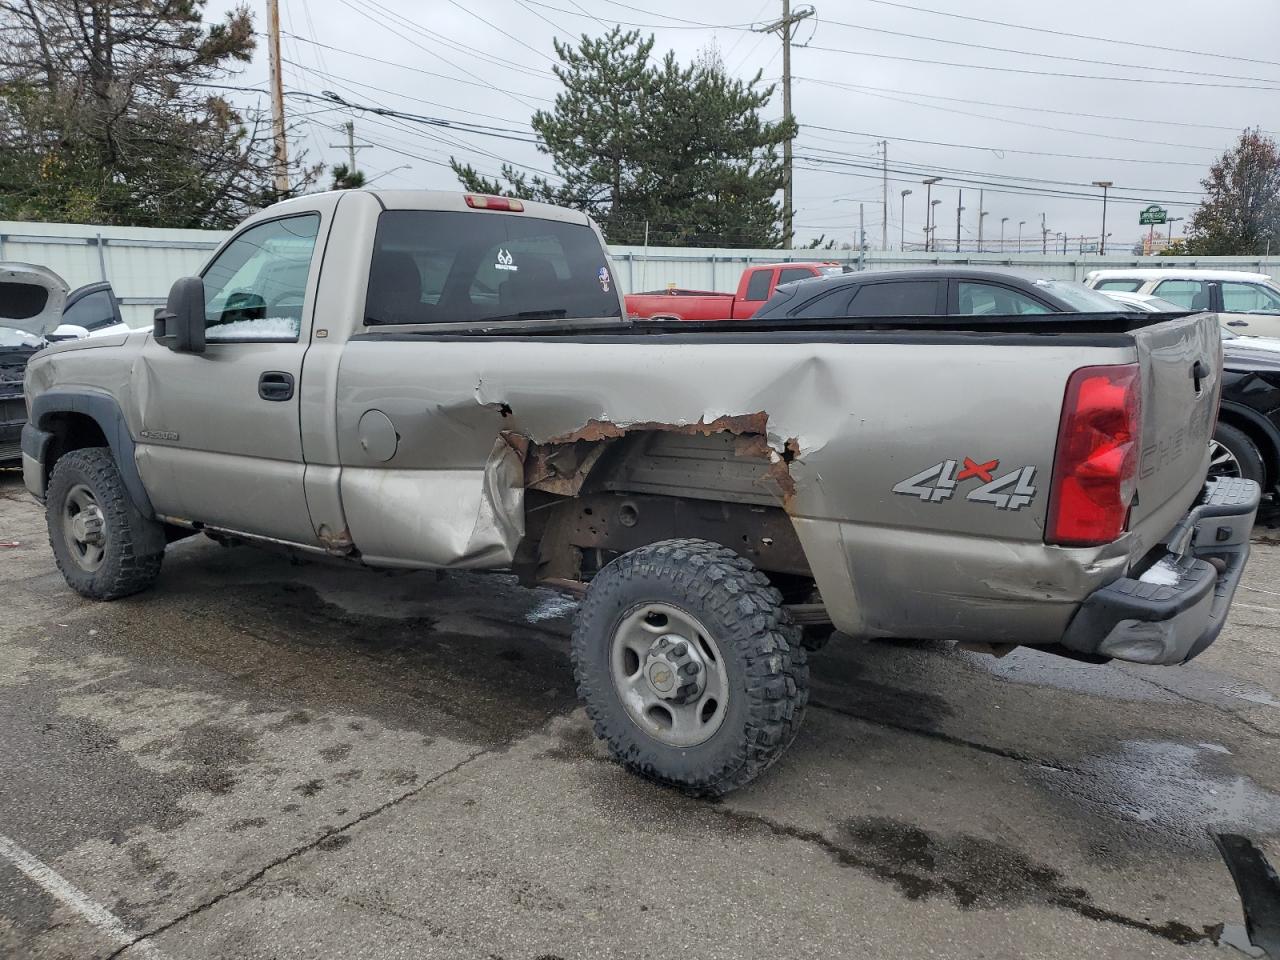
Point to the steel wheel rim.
(84, 529)
(637, 656)
(1222, 462)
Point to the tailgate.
(1181, 363)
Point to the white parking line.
(72, 896)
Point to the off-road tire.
(767, 668)
(124, 570)
(1246, 452)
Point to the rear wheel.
(1233, 454)
(95, 530)
(689, 666)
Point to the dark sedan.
(932, 292)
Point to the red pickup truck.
(754, 289)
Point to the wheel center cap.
(674, 669)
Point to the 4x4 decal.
(1011, 491)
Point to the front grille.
(13, 410)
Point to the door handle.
(1237, 323)
(276, 385)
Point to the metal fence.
(141, 263)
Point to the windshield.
(443, 266)
(1079, 297)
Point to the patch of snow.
(1163, 572)
(551, 608)
(264, 328)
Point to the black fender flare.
(102, 409)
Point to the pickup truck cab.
(427, 380)
(755, 287)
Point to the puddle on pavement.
(1168, 794)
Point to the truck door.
(219, 438)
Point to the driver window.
(255, 288)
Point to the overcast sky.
(452, 60)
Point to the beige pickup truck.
(435, 380)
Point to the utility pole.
(928, 211)
(884, 200)
(785, 28)
(1102, 242)
(277, 99)
(1044, 237)
(902, 227)
(981, 214)
(350, 146)
(959, 210)
(862, 237)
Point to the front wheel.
(689, 666)
(96, 532)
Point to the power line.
(1038, 73)
(1003, 150)
(405, 66)
(1037, 54)
(1064, 33)
(1014, 106)
(494, 26)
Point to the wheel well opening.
(1265, 443)
(590, 498)
(71, 431)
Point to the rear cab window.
(787, 274)
(437, 266)
(758, 285)
(1120, 286)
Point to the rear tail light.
(1095, 468)
(481, 202)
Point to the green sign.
(1153, 214)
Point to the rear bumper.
(1174, 610)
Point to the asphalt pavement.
(262, 758)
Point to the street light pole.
(959, 210)
(932, 242)
(1105, 185)
(928, 210)
(902, 225)
(1003, 221)
(1044, 237)
(1021, 224)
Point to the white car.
(91, 311)
(1144, 302)
(1252, 298)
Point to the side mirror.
(179, 325)
(67, 331)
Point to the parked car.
(934, 292)
(1252, 298)
(31, 297)
(1144, 302)
(92, 310)
(755, 287)
(426, 380)
(1246, 442)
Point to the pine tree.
(681, 149)
(110, 112)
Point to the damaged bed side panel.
(849, 431)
